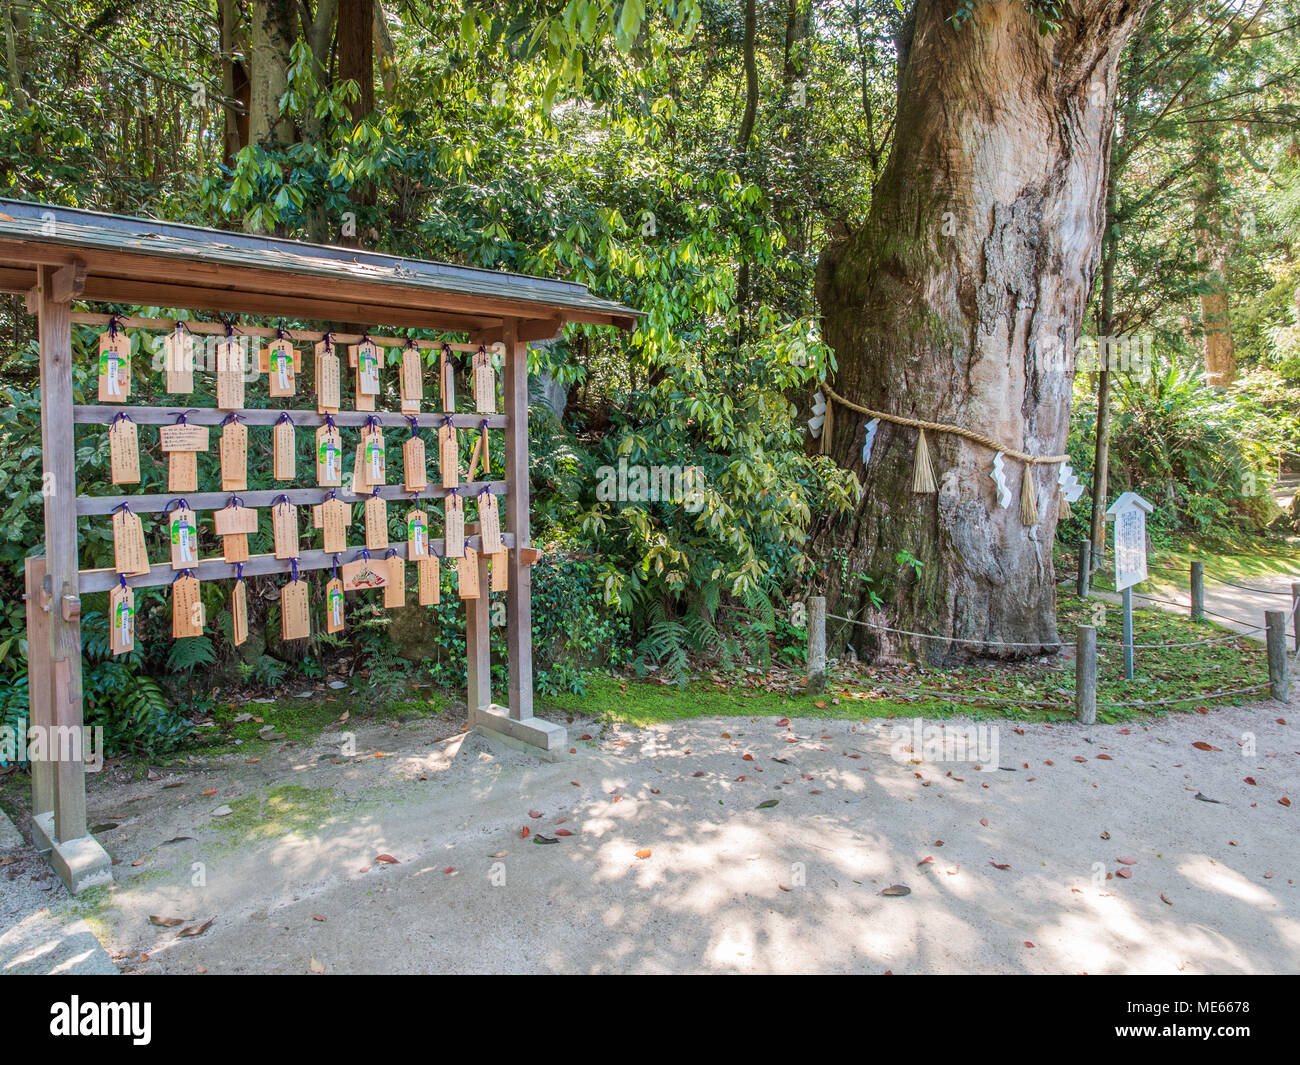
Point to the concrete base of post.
(80, 863)
(531, 735)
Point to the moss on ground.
(1041, 690)
(302, 720)
(278, 812)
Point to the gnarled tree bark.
(960, 300)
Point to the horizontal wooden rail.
(218, 569)
(155, 504)
(166, 325)
(104, 413)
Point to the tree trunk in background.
(357, 52)
(1216, 319)
(743, 138)
(12, 66)
(234, 81)
(958, 301)
(1105, 328)
(273, 31)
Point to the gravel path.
(1110, 850)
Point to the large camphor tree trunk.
(960, 300)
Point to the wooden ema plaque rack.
(57, 257)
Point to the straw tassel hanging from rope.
(922, 470)
(1028, 497)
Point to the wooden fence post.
(1085, 674)
(816, 644)
(1198, 591)
(1295, 615)
(1085, 567)
(1279, 681)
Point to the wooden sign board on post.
(1129, 512)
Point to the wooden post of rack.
(519, 612)
(40, 711)
(478, 653)
(516, 724)
(75, 855)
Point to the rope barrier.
(1139, 704)
(940, 427)
(1062, 644)
(948, 639)
(1245, 587)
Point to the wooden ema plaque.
(453, 526)
(239, 613)
(395, 589)
(124, 450)
(335, 517)
(364, 574)
(284, 447)
(417, 535)
(183, 536)
(295, 610)
(367, 357)
(415, 472)
(447, 380)
(231, 368)
(187, 607)
(329, 456)
(281, 366)
(234, 524)
(485, 383)
(121, 615)
(328, 391)
(411, 380)
(430, 581)
(114, 366)
(178, 360)
(284, 529)
(489, 517)
(449, 455)
(372, 444)
(129, 553)
(376, 524)
(334, 605)
(467, 574)
(233, 449)
(181, 443)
